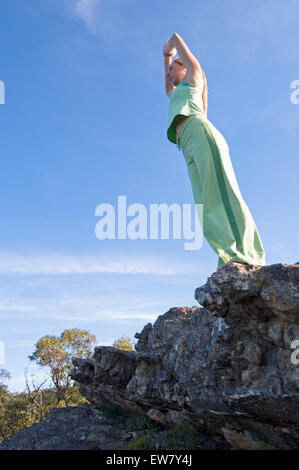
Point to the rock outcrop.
(228, 366)
(81, 427)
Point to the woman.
(226, 220)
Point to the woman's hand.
(168, 49)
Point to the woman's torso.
(184, 112)
(178, 122)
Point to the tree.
(124, 343)
(22, 409)
(57, 353)
(4, 375)
(4, 397)
(78, 343)
(35, 394)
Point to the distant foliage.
(56, 353)
(124, 343)
(20, 410)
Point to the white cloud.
(87, 298)
(7, 306)
(84, 308)
(105, 17)
(88, 11)
(85, 264)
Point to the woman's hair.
(179, 61)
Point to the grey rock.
(70, 428)
(224, 366)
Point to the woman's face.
(176, 73)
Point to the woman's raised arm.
(167, 61)
(190, 61)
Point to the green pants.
(226, 220)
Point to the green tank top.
(185, 100)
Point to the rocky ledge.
(229, 366)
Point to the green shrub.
(144, 442)
(139, 422)
(110, 411)
(183, 437)
(266, 446)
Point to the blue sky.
(84, 121)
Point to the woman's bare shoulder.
(194, 78)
